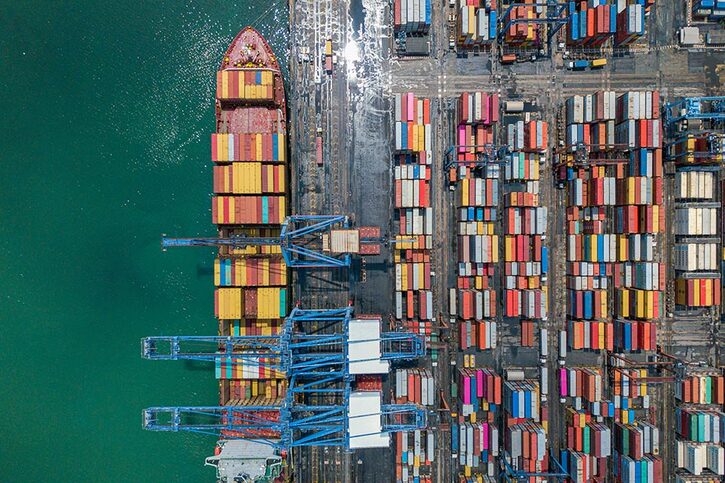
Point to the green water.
(105, 112)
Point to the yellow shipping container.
(601, 328)
(623, 303)
(622, 248)
(230, 303)
(464, 192)
(473, 418)
(225, 85)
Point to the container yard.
(536, 293)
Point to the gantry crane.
(554, 14)
(509, 474)
(314, 364)
(490, 154)
(692, 108)
(306, 241)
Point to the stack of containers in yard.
(521, 400)
(478, 447)
(591, 24)
(700, 426)
(478, 113)
(412, 16)
(414, 456)
(588, 445)
(522, 34)
(697, 458)
(701, 389)
(636, 447)
(628, 470)
(525, 444)
(474, 299)
(591, 120)
(477, 22)
(474, 432)
(700, 421)
(414, 311)
(588, 439)
(630, 25)
(634, 335)
(479, 390)
(415, 386)
(590, 335)
(412, 126)
(622, 262)
(529, 136)
(525, 224)
(697, 157)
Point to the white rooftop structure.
(365, 421)
(364, 351)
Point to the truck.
(578, 64)
(318, 147)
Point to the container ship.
(249, 154)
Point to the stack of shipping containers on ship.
(700, 424)
(250, 185)
(414, 309)
(587, 415)
(477, 22)
(525, 437)
(696, 154)
(474, 300)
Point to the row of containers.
(615, 282)
(589, 24)
(414, 311)
(700, 422)
(525, 255)
(593, 23)
(415, 456)
(697, 256)
(412, 16)
(250, 185)
(475, 299)
(613, 215)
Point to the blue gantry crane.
(299, 239)
(705, 108)
(315, 364)
(509, 474)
